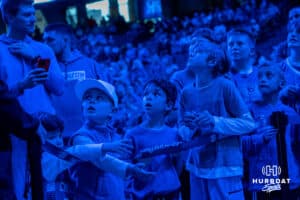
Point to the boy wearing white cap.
(98, 102)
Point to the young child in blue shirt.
(159, 98)
(213, 106)
(260, 149)
(58, 185)
(98, 102)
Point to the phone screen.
(44, 63)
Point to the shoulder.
(81, 136)
(188, 89)
(78, 57)
(39, 45)
(178, 74)
(224, 83)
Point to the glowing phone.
(43, 63)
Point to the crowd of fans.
(116, 90)
(146, 49)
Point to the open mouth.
(148, 105)
(235, 53)
(263, 86)
(91, 109)
(292, 40)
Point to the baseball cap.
(84, 85)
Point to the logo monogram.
(271, 170)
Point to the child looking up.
(213, 106)
(98, 101)
(159, 98)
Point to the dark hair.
(11, 7)
(50, 122)
(242, 31)
(274, 66)
(60, 28)
(168, 87)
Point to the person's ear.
(66, 40)
(211, 61)
(252, 52)
(282, 84)
(169, 107)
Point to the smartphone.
(43, 63)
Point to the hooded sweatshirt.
(76, 68)
(14, 69)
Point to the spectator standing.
(18, 69)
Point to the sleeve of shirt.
(240, 122)
(55, 77)
(53, 166)
(113, 165)
(85, 150)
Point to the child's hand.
(206, 122)
(199, 120)
(268, 132)
(185, 133)
(121, 147)
(190, 120)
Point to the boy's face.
(269, 80)
(293, 38)
(96, 105)
(55, 41)
(239, 47)
(198, 56)
(294, 15)
(154, 100)
(54, 137)
(24, 20)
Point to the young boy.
(98, 102)
(241, 52)
(290, 95)
(261, 148)
(56, 182)
(213, 106)
(159, 98)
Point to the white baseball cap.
(84, 85)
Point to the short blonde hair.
(214, 51)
